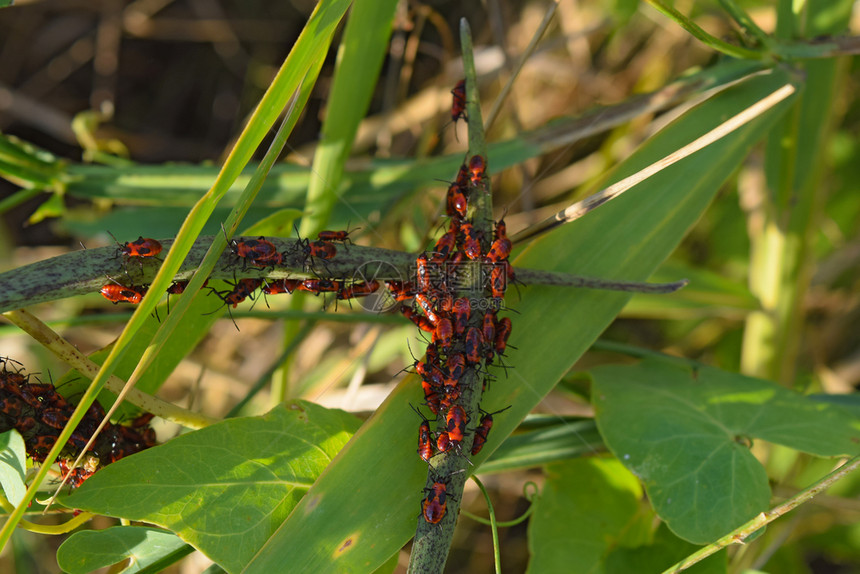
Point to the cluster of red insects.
(257, 253)
(456, 346)
(39, 413)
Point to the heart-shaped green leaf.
(687, 434)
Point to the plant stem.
(738, 535)
(83, 272)
(433, 541)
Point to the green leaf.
(54, 206)
(338, 529)
(13, 466)
(278, 223)
(88, 550)
(586, 508)
(223, 489)
(665, 550)
(686, 433)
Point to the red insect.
(471, 243)
(243, 289)
(443, 442)
(282, 286)
(433, 507)
(488, 327)
(425, 442)
(456, 366)
(444, 334)
(136, 438)
(457, 420)
(503, 331)
(458, 102)
(117, 293)
(359, 290)
(140, 247)
(429, 372)
(499, 250)
(55, 418)
(452, 266)
(422, 270)
(318, 286)
(501, 229)
(24, 424)
(11, 407)
(456, 203)
(477, 170)
(432, 397)
(498, 281)
(38, 448)
(421, 321)
(177, 288)
(427, 306)
(401, 290)
(462, 312)
(473, 346)
(432, 353)
(483, 430)
(335, 235)
(258, 252)
(463, 177)
(79, 474)
(320, 249)
(445, 245)
(451, 388)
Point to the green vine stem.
(740, 534)
(497, 557)
(530, 491)
(50, 529)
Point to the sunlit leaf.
(586, 508)
(88, 550)
(223, 489)
(13, 466)
(687, 434)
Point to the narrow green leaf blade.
(687, 434)
(362, 51)
(566, 440)
(223, 489)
